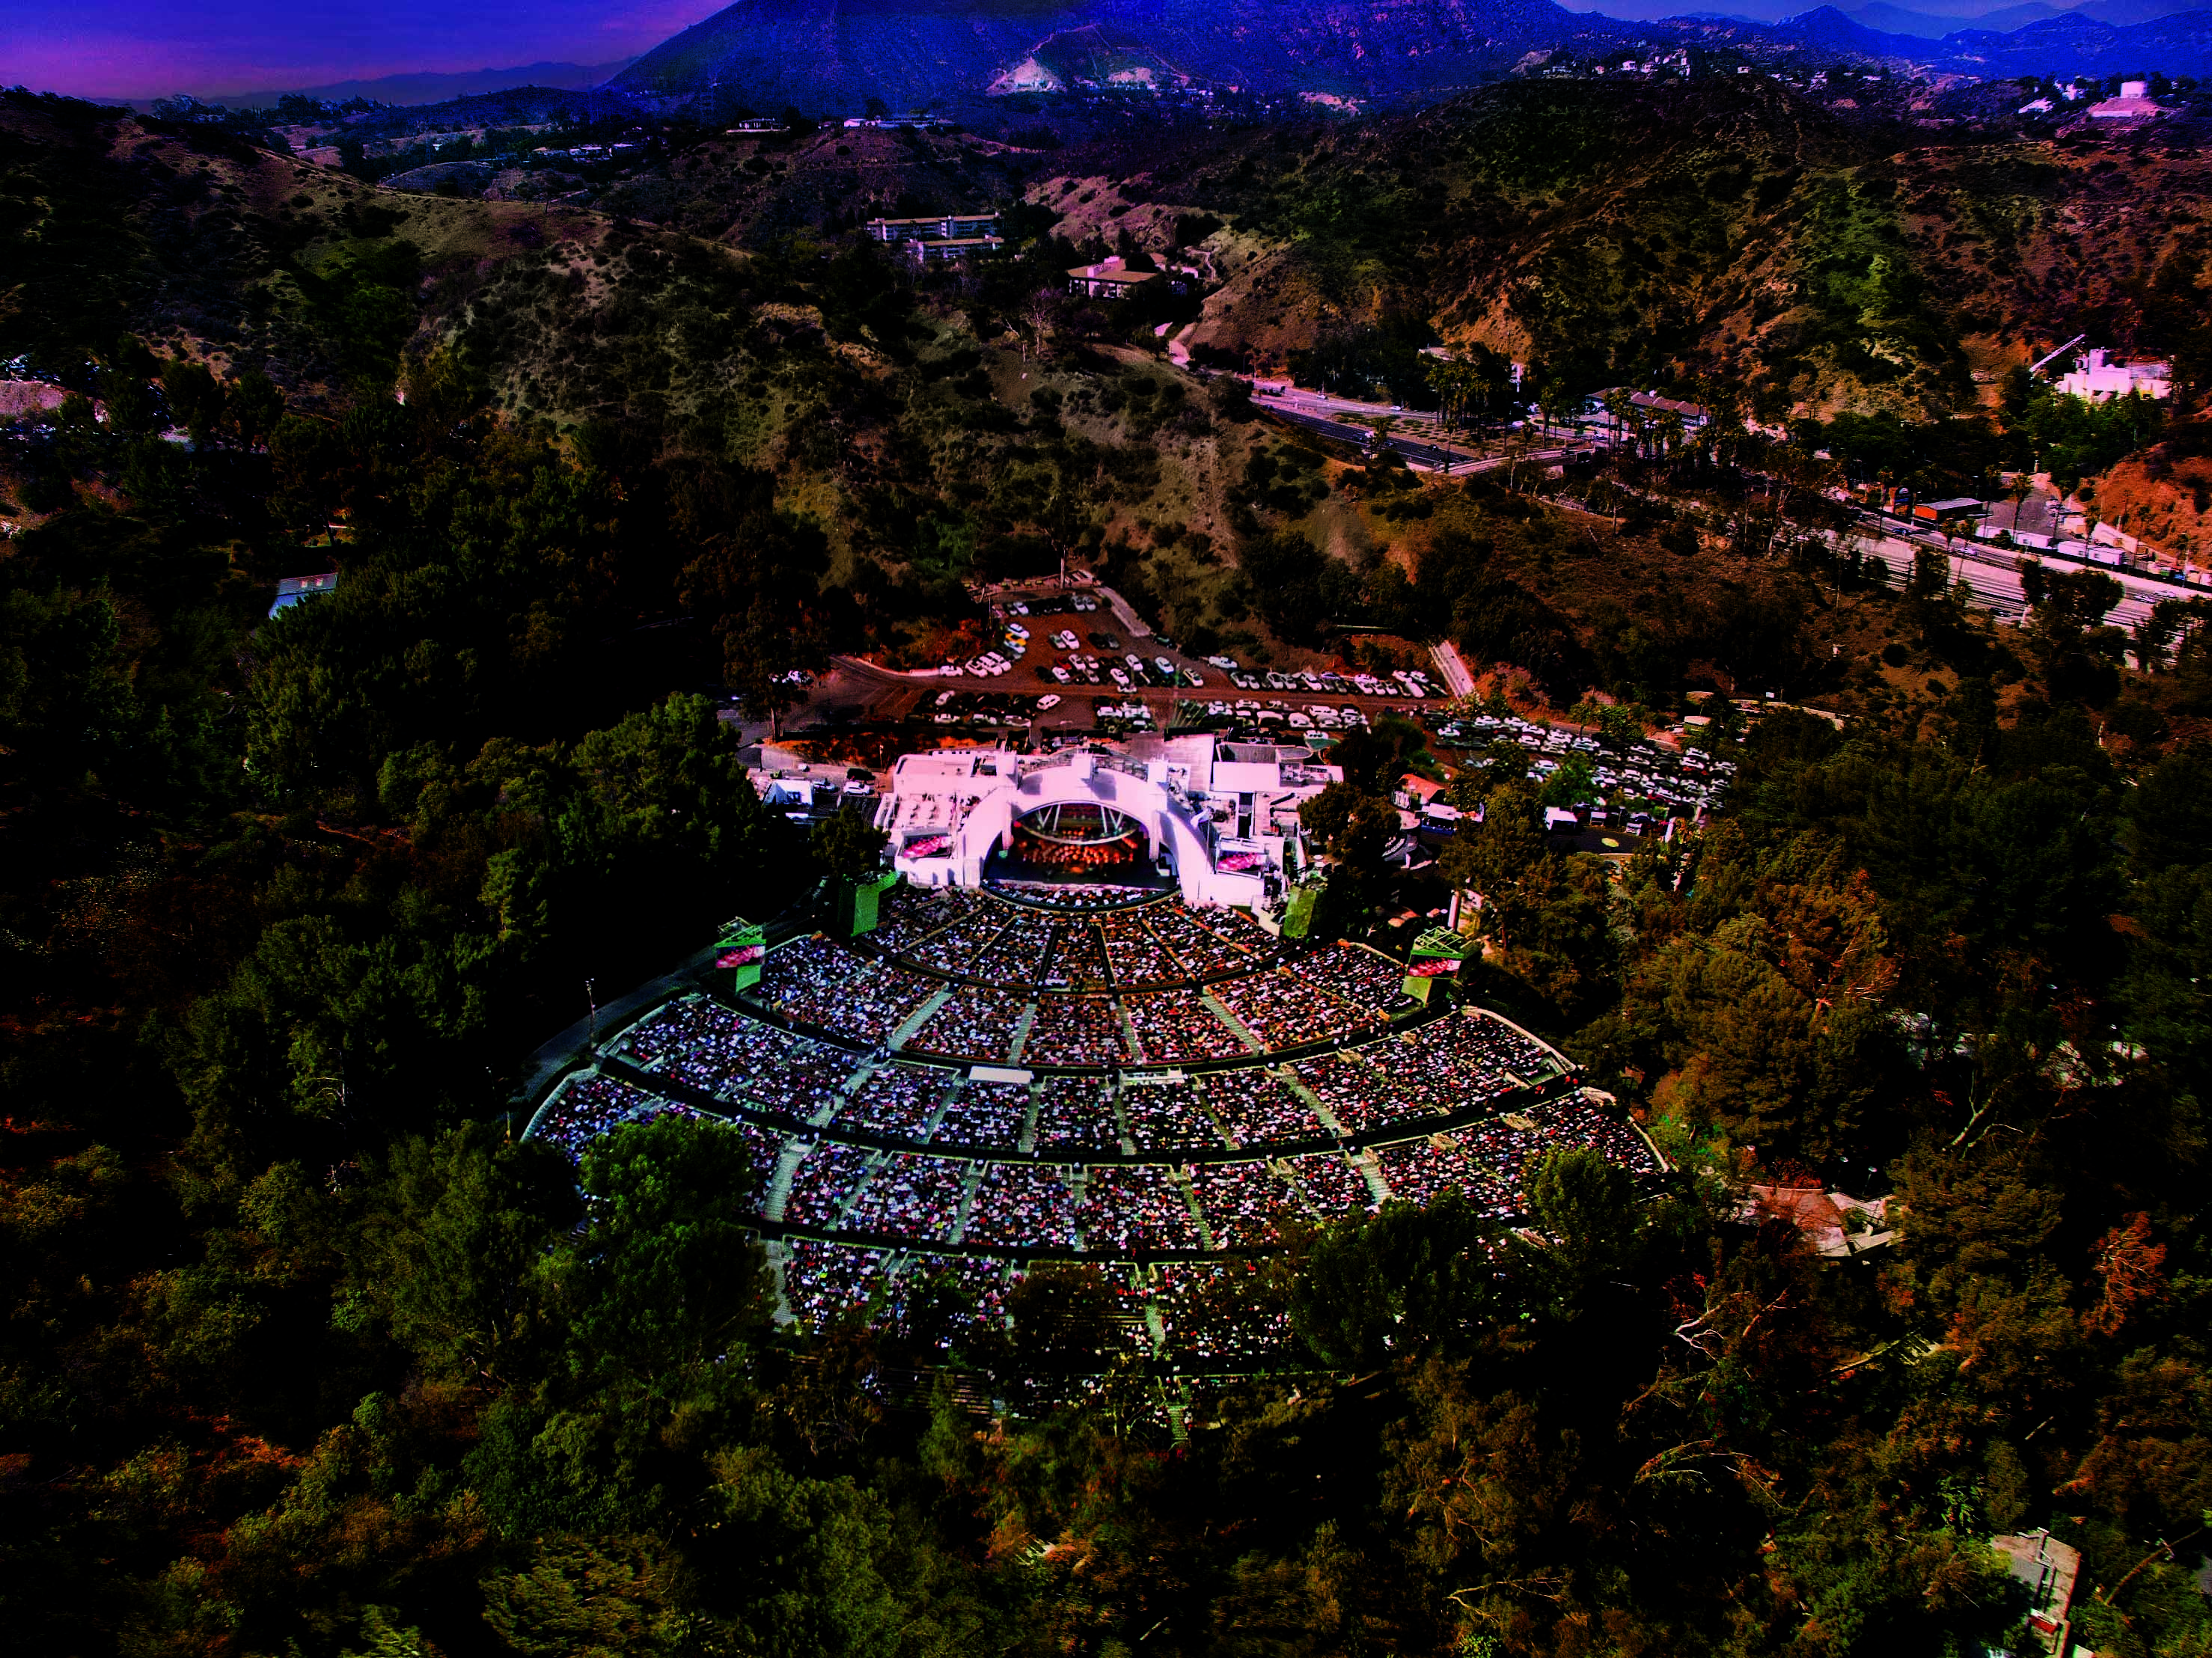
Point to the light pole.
(592, 997)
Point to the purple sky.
(146, 48)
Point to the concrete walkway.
(574, 1045)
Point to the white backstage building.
(1217, 822)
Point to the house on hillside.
(753, 125)
(1833, 1224)
(298, 589)
(2096, 378)
(2050, 1569)
(1110, 279)
(1693, 415)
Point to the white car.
(1119, 676)
(1166, 667)
(1050, 700)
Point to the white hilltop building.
(2097, 379)
(1219, 822)
(2134, 104)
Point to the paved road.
(553, 1056)
(1422, 454)
(1994, 574)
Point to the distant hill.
(436, 89)
(921, 53)
(827, 58)
(1093, 57)
(1901, 20)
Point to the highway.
(1994, 575)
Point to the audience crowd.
(970, 1181)
(1333, 1186)
(1087, 896)
(911, 1195)
(1167, 1116)
(1360, 977)
(896, 1100)
(985, 1116)
(1221, 1314)
(974, 1023)
(1075, 1111)
(1286, 1012)
(588, 1105)
(1257, 1106)
(1172, 1026)
(827, 1172)
(1241, 1203)
(816, 982)
(1077, 1030)
(1021, 1203)
(741, 1060)
(1137, 1207)
(1018, 946)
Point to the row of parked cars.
(1131, 671)
(1404, 682)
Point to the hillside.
(1829, 1214)
(752, 189)
(235, 255)
(946, 55)
(1818, 255)
(914, 54)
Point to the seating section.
(1142, 1131)
(1077, 1030)
(1257, 1107)
(1174, 1027)
(973, 1022)
(1167, 1117)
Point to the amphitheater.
(990, 1079)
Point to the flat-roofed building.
(950, 250)
(942, 227)
(1111, 279)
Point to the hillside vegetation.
(306, 1354)
(1817, 259)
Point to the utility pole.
(592, 996)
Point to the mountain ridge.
(948, 54)
(436, 87)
